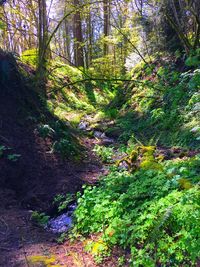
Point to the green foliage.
(105, 153)
(2, 25)
(157, 114)
(14, 157)
(45, 130)
(111, 113)
(40, 218)
(165, 106)
(98, 249)
(102, 67)
(62, 238)
(147, 211)
(62, 201)
(77, 96)
(121, 261)
(30, 57)
(173, 228)
(63, 140)
(194, 59)
(66, 147)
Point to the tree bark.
(43, 50)
(106, 19)
(78, 37)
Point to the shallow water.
(62, 223)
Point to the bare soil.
(31, 182)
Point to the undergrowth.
(151, 209)
(152, 212)
(164, 104)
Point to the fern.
(156, 232)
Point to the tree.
(78, 37)
(106, 24)
(43, 49)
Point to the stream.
(62, 223)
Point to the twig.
(4, 222)
(95, 79)
(7, 249)
(27, 263)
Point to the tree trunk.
(106, 19)
(67, 41)
(78, 37)
(42, 47)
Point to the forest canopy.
(84, 33)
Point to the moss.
(150, 164)
(141, 157)
(148, 160)
(184, 183)
(40, 260)
(131, 160)
(160, 158)
(96, 247)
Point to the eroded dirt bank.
(31, 181)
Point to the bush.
(105, 153)
(153, 212)
(40, 218)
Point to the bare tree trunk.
(42, 47)
(78, 37)
(67, 41)
(89, 37)
(106, 18)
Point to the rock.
(99, 134)
(63, 222)
(107, 141)
(60, 224)
(83, 125)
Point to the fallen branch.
(95, 79)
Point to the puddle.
(63, 222)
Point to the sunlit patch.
(43, 261)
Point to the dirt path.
(30, 183)
(24, 244)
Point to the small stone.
(82, 125)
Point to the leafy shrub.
(40, 218)
(147, 211)
(64, 142)
(157, 114)
(65, 147)
(168, 231)
(45, 130)
(194, 59)
(111, 113)
(62, 201)
(101, 67)
(163, 107)
(105, 153)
